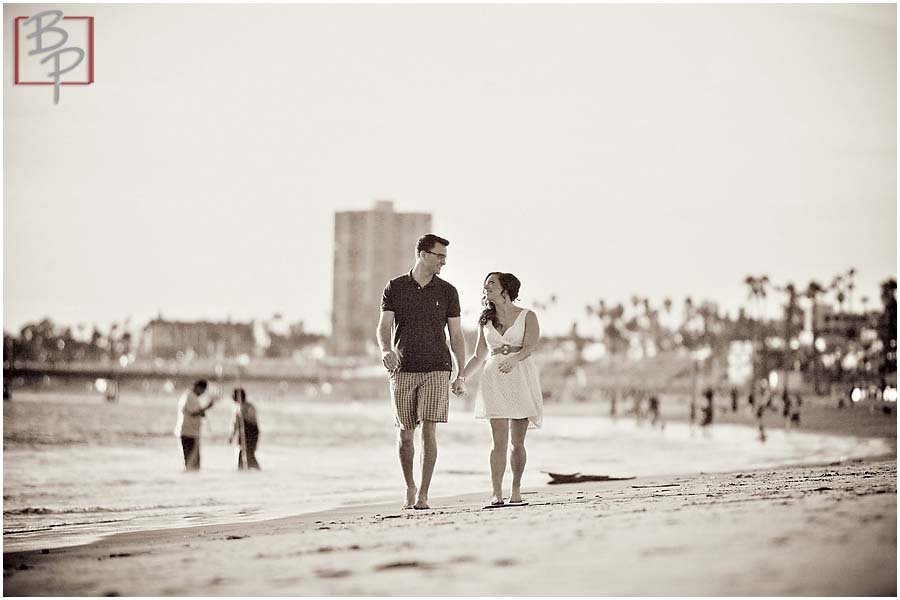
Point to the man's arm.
(235, 427)
(458, 347)
(481, 353)
(389, 358)
(201, 412)
(190, 407)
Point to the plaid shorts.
(420, 397)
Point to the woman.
(510, 392)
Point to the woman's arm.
(532, 336)
(480, 355)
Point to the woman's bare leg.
(517, 456)
(500, 435)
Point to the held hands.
(390, 360)
(458, 387)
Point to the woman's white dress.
(513, 395)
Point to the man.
(190, 418)
(709, 410)
(416, 307)
(245, 430)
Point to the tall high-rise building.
(370, 248)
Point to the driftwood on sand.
(556, 478)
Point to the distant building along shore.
(166, 339)
(370, 248)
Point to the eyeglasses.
(438, 254)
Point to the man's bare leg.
(429, 457)
(407, 450)
(500, 439)
(517, 457)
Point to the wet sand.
(814, 530)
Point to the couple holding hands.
(415, 310)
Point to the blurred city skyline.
(595, 151)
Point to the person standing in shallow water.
(246, 424)
(510, 393)
(709, 409)
(190, 420)
(416, 308)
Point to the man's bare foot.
(421, 503)
(497, 499)
(515, 496)
(410, 498)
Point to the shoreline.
(72, 536)
(819, 414)
(744, 531)
(391, 506)
(360, 550)
(89, 539)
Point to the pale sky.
(592, 150)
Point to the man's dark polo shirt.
(420, 316)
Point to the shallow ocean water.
(76, 468)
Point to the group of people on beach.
(244, 432)
(416, 310)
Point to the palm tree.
(837, 286)
(688, 309)
(112, 338)
(814, 290)
(758, 287)
(791, 312)
(850, 287)
(758, 292)
(887, 327)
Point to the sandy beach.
(812, 530)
